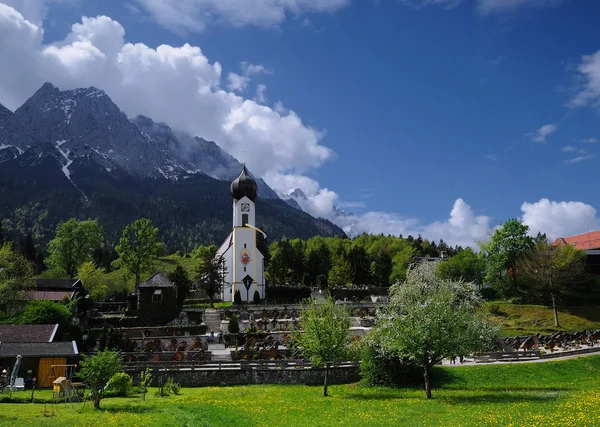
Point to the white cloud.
(543, 132)
(559, 219)
(36, 10)
(505, 6)
(579, 159)
(571, 149)
(237, 82)
(240, 82)
(194, 15)
(260, 96)
(320, 202)
(589, 141)
(497, 60)
(589, 74)
(177, 85)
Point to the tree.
(44, 312)
(341, 271)
(96, 372)
(503, 250)
(323, 334)
(551, 270)
(429, 319)
(182, 283)
(381, 267)
(211, 273)
(466, 265)
(233, 326)
(92, 279)
(16, 279)
(138, 248)
(74, 243)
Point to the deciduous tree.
(429, 319)
(503, 250)
(550, 271)
(323, 334)
(211, 273)
(138, 248)
(96, 372)
(92, 279)
(16, 279)
(74, 243)
(466, 265)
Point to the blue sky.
(417, 103)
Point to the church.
(244, 264)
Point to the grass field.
(520, 319)
(565, 393)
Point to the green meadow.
(564, 393)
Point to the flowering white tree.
(430, 318)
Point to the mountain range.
(74, 153)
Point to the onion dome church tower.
(243, 261)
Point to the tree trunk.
(325, 381)
(555, 311)
(212, 304)
(97, 402)
(427, 379)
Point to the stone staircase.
(219, 352)
(212, 320)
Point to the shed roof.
(157, 280)
(51, 295)
(57, 284)
(27, 333)
(47, 349)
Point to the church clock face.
(245, 207)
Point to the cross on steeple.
(244, 156)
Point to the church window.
(244, 268)
(244, 245)
(244, 219)
(157, 296)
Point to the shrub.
(234, 326)
(256, 297)
(237, 298)
(120, 383)
(145, 381)
(378, 370)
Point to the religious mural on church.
(245, 256)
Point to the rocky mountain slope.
(75, 153)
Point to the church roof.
(157, 280)
(244, 185)
(226, 245)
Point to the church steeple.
(244, 185)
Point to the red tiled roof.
(584, 241)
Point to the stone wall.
(200, 378)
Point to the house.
(587, 242)
(39, 352)
(157, 300)
(56, 289)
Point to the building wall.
(155, 313)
